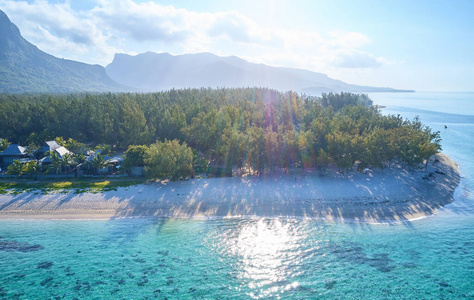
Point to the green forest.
(255, 128)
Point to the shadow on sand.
(360, 199)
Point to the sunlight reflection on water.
(268, 253)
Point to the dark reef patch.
(356, 254)
(45, 265)
(13, 246)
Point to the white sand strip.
(379, 196)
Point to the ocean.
(255, 258)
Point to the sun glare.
(267, 251)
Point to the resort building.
(48, 146)
(61, 151)
(13, 152)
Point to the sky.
(405, 44)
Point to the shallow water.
(238, 258)
(242, 258)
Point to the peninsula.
(332, 157)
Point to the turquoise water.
(253, 258)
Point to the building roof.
(49, 146)
(45, 160)
(61, 151)
(116, 159)
(104, 157)
(14, 150)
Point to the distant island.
(26, 69)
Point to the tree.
(257, 127)
(135, 156)
(97, 163)
(67, 160)
(322, 160)
(16, 168)
(56, 161)
(340, 150)
(31, 168)
(132, 125)
(105, 150)
(75, 146)
(60, 141)
(31, 149)
(305, 144)
(257, 148)
(169, 160)
(3, 144)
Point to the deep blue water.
(244, 258)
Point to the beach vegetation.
(67, 160)
(134, 156)
(105, 150)
(60, 141)
(3, 144)
(76, 147)
(56, 161)
(74, 185)
(169, 160)
(16, 168)
(31, 168)
(97, 163)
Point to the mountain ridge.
(26, 69)
(151, 72)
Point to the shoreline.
(381, 196)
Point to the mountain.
(25, 68)
(155, 72)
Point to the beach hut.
(13, 152)
(114, 164)
(96, 163)
(46, 161)
(61, 151)
(48, 146)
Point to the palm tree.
(105, 149)
(56, 161)
(31, 168)
(97, 163)
(16, 168)
(31, 149)
(67, 160)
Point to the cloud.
(341, 39)
(59, 19)
(111, 26)
(57, 29)
(143, 22)
(231, 26)
(356, 59)
(240, 29)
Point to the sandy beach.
(378, 196)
